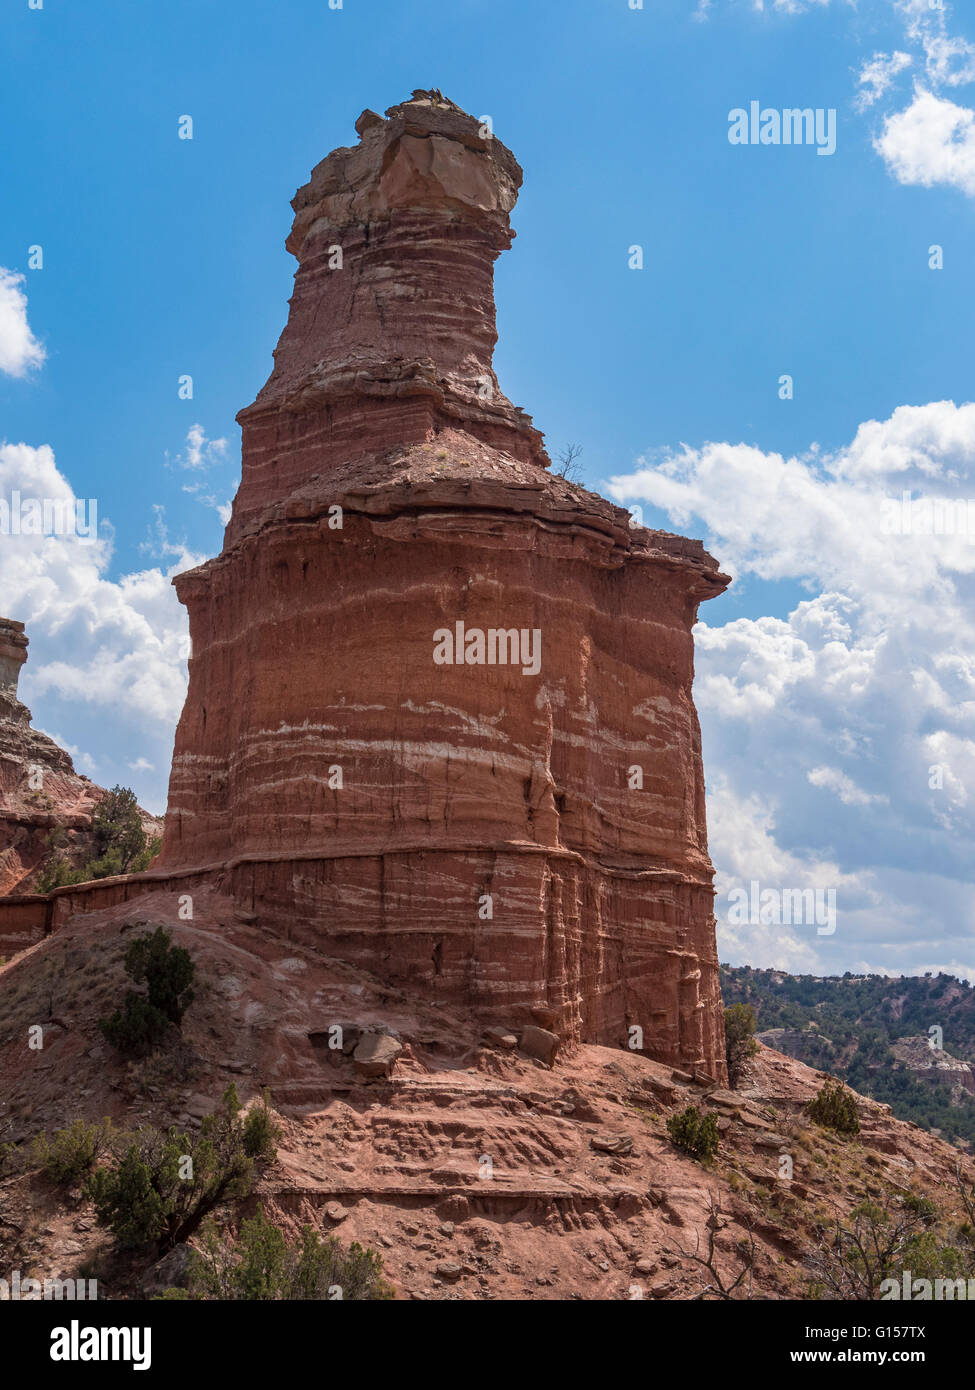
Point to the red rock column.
(501, 834)
(13, 653)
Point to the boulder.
(172, 1271)
(544, 1015)
(621, 1146)
(540, 1043)
(771, 1141)
(376, 1054)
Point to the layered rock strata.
(46, 807)
(439, 711)
(40, 791)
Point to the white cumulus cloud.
(115, 646)
(844, 787)
(839, 738)
(19, 349)
(878, 75)
(930, 142)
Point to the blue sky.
(839, 668)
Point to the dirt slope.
(478, 1172)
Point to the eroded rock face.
(391, 330)
(935, 1066)
(46, 807)
(440, 709)
(40, 792)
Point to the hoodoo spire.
(392, 323)
(439, 720)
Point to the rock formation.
(45, 806)
(39, 788)
(439, 713)
(935, 1066)
(429, 900)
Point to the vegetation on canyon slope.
(144, 1020)
(120, 844)
(154, 1190)
(847, 1024)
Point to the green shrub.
(142, 860)
(261, 1132)
(137, 1028)
(121, 845)
(874, 1243)
(118, 832)
(73, 1152)
(143, 1021)
(165, 1183)
(135, 1198)
(166, 969)
(695, 1133)
(263, 1265)
(59, 874)
(739, 1042)
(836, 1108)
(921, 1206)
(258, 1271)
